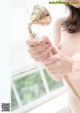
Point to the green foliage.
(30, 87)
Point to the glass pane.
(53, 85)
(14, 104)
(30, 87)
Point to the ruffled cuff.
(75, 73)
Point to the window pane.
(30, 87)
(53, 85)
(14, 104)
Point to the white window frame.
(49, 95)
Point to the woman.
(66, 60)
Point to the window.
(31, 85)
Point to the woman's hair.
(72, 24)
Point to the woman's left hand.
(59, 64)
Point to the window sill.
(53, 106)
(54, 101)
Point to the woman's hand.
(39, 50)
(58, 65)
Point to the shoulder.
(57, 30)
(58, 23)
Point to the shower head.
(40, 16)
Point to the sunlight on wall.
(21, 10)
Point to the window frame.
(41, 100)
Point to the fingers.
(57, 71)
(41, 59)
(42, 53)
(39, 51)
(39, 48)
(54, 76)
(45, 39)
(53, 65)
(55, 68)
(32, 43)
(53, 59)
(41, 56)
(54, 51)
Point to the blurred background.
(32, 90)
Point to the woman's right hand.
(39, 51)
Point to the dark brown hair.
(72, 24)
